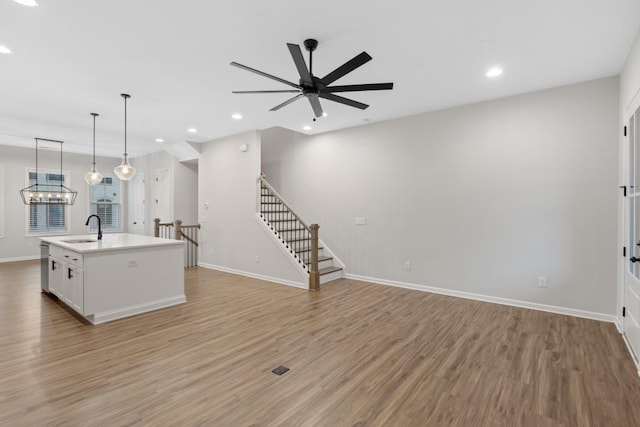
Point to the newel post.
(178, 229)
(156, 227)
(314, 276)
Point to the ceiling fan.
(312, 87)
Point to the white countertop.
(109, 242)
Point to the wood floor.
(359, 355)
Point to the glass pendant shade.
(93, 177)
(125, 171)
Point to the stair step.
(270, 203)
(299, 251)
(328, 270)
(282, 220)
(323, 258)
(289, 230)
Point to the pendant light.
(125, 171)
(48, 193)
(93, 177)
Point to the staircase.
(299, 239)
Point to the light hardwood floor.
(360, 354)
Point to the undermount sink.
(79, 241)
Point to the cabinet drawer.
(73, 258)
(56, 252)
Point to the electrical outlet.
(132, 263)
(360, 220)
(542, 282)
(407, 265)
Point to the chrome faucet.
(99, 225)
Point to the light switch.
(361, 220)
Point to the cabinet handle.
(53, 265)
(66, 256)
(75, 259)
(69, 273)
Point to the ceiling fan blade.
(346, 68)
(315, 104)
(266, 91)
(269, 76)
(357, 88)
(298, 59)
(342, 100)
(287, 102)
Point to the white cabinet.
(56, 271)
(66, 278)
(73, 288)
(118, 276)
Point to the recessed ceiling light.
(159, 140)
(324, 114)
(306, 127)
(494, 72)
(192, 130)
(236, 116)
(30, 3)
(4, 49)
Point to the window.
(106, 203)
(47, 219)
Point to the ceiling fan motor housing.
(310, 44)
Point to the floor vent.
(280, 370)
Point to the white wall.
(629, 97)
(186, 192)
(481, 199)
(232, 238)
(15, 245)
(183, 192)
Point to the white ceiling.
(74, 57)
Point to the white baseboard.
(22, 258)
(108, 316)
(619, 326)
(255, 275)
(486, 298)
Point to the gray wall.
(480, 199)
(232, 238)
(14, 244)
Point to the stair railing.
(162, 229)
(188, 233)
(298, 237)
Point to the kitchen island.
(121, 275)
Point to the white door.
(137, 203)
(162, 196)
(631, 319)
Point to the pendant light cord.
(94, 140)
(61, 176)
(125, 96)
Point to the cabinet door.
(74, 288)
(56, 271)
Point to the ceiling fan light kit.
(312, 87)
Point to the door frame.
(628, 112)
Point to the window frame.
(93, 225)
